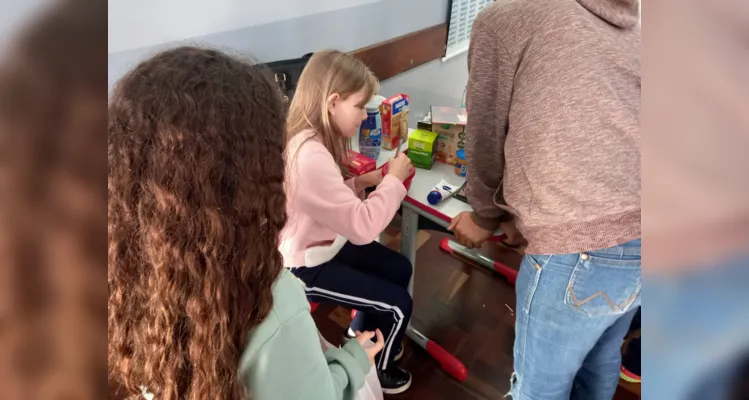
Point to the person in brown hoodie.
(553, 141)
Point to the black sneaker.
(394, 380)
(348, 335)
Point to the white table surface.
(425, 180)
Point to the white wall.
(140, 23)
(271, 30)
(140, 31)
(434, 83)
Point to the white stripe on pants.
(358, 301)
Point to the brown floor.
(469, 312)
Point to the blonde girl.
(328, 242)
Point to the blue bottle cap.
(434, 197)
(461, 154)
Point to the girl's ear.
(332, 102)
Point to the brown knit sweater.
(553, 135)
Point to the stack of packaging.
(449, 123)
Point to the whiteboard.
(462, 14)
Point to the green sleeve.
(291, 365)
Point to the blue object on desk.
(370, 131)
(441, 191)
(434, 197)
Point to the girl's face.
(347, 114)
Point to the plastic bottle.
(370, 131)
(461, 167)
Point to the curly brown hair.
(52, 196)
(196, 205)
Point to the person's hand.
(400, 167)
(371, 351)
(512, 234)
(468, 233)
(369, 179)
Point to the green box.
(421, 148)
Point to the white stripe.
(392, 330)
(375, 305)
(361, 301)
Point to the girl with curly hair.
(200, 305)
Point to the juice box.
(421, 148)
(360, 164)
(449, 124)
(394, 114)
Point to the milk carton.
(394, 114)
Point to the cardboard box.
(421, 148)
(360, 164)
(449, 123)
(394, 114)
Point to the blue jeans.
(697, 331)
(573, 311)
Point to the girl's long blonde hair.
(326, 73)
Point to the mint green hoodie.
(284, 359)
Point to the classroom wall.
(434, 83)
(279, 29)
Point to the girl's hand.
(371, 351)
(400, 167)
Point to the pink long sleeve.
(322, 193)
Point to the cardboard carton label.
(394, 114)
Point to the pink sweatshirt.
(324, 211)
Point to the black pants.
(372, 279)
(631, 359)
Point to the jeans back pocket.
(604, 284)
